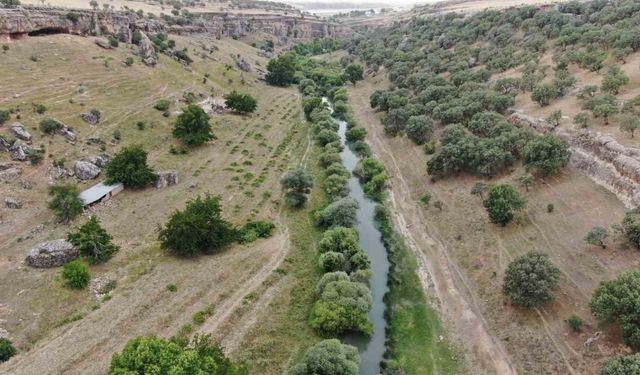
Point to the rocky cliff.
(599, 156)
(22, 22)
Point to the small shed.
(100, 193)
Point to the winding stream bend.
(371, 348)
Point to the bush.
(297, 185)
(575, 323)
(243, 103)
(341, 213)
(36, 156)
(162, 105)
(198, 229)
(254, 230)
(153, 355)
(172, 288)
(93, 242)
(622, 365)
(66, 203)
(531, 280)
(75, 275)
(631, 225)
(39, 108)
(343, 306)
(4, 116)
(543, 94)
(192, 126)
(328, 357)
(129, 166)
(50, 126)
(501, 202)
(6, 350)
(356, 134)
(128, 61)
(113, 41)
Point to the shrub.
(140, 125)
(328, 357)
(39, 108)
(153, 355)
(93, 242)
(66, 203)
(4, 116)
(128, 61)
(622, 365)
(354, 73)
(162, 105)
(75, 275)
(543, 94)
(631, 225)
(113, 41)
(6, 350)
(531, 280)
(192, 126)
(356, 134)
(129, 166)
(243, 103)
(297, 185)
(502, 201)
(332, 261)
(550, 208)
(96, 112)
(596, 236)
(342, 306)
(341, 213)
(198, 229)
(254, 230)
(50, 126)
(72, 16)
(35, 157)
(575, 323)
(172, 288)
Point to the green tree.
(129, 166)
(631, 225)
(629, 124)
(192, 126)
(75, 275)
(341, 213)
(614, 80)
(555, 117)
(419, 128)
(354, 73)
(605, 110)
(581, 119)
(546, 154)
(531, 280)
(10, 3)
(243, 103)
(66, 203)
(198, 229)
(526, 181)
(618, 301)
(622, 365)
(93, 4)
(297, 185)
(501, 202)
(543, 94)
(162, 105)
(281, 71)
(93, 242)
(596, 236)
(153, 355)
(342, 306)
(6, 350)
(328, 357)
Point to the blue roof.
(97, 192)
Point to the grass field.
(463, 257)
(72, 75)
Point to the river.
(371, 348)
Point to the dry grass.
(243, 165)
(464, 252)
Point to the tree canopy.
(281, 71)
(531, 280)
(546, 154)
(129, 166)
(93, 242)
(243, 103)
(66, 203)
(328, 357)
(297, 185)
(501, 203)
(192, 126)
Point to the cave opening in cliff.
(49, 31)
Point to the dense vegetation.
(129, 166)
(93, 242)
(192, 125)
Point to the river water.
(371, 348)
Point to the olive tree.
(531, 280)
(546, 154)
(328, 357)
(501, 203)
(419, 128)
(297, 185)
(629, 124)
(543, 94)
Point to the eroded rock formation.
(51, 254)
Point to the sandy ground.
(463, 258)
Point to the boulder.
(166, 178)
(13, 203)
(26, 184)
(147, 51)
(5, 144)
(99, 160)
(51, 254)
(95, 140)
(10, 174)
(85, 170)
(20, 132)
(19, 150)
(56, 173)
(66, 132)
(103, 43)
(89, 118)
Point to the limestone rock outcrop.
(147, 51)
(166, 178)
(20, 132)
(85, 170)
(19, 150)
(51, 254)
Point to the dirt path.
(457, 307)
